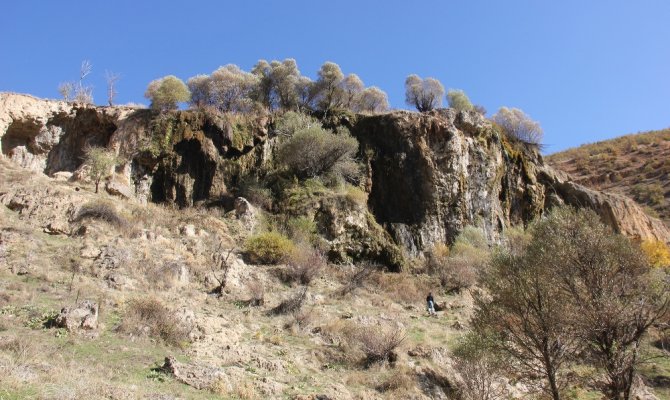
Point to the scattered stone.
(57, 228)
(420, 352)
(111, 257)
(84, 316)
(117, 281)
(195, 375)
(458, 325)
(62, 176)
(119, 189)
(187, 230)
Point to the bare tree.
(112, 78)
(84, 94)
(66, 89)
(220, 267)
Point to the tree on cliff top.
(458, 100)
(165, 93)
(424, 94)
(516, 124)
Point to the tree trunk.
(551, 371)
(97, 183)
(631, 373)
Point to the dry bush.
(401, 383)
(304, 264)
(292, 304)
(256, 292)
(5, 298)
(220, 266)
(149, 317)
(21, 349)
(401, 287)
(379, 343)
(101, 211)
(459, 267)
(479, 370)
(455, 273)
(300, 319)
(243, 390)
(357, 279)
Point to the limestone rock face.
(431, 174)
(428, 174)
(50, 136)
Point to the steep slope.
(635, 165)
(428, 175)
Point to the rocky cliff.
(427, 175)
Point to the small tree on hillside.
(526, 319)
(516, 124)
(424, 94)
(613, 293)
(458, 100)
(165, 93)
(100, 162)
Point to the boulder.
(187, 230)
(119, 189)
(195, 375)
(83, 316)
(245, 212)
(62, 176)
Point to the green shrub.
(313, 152)
(268, 248)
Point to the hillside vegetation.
(636, 165)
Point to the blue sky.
(586, 69)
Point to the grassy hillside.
(636, 165)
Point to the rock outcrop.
(83, 316)
(428, 174)
(431, 174)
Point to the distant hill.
(636, 165)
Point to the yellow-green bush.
(657, 252)
(268, 248)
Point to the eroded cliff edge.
(427, 175)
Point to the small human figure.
(431, 304)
